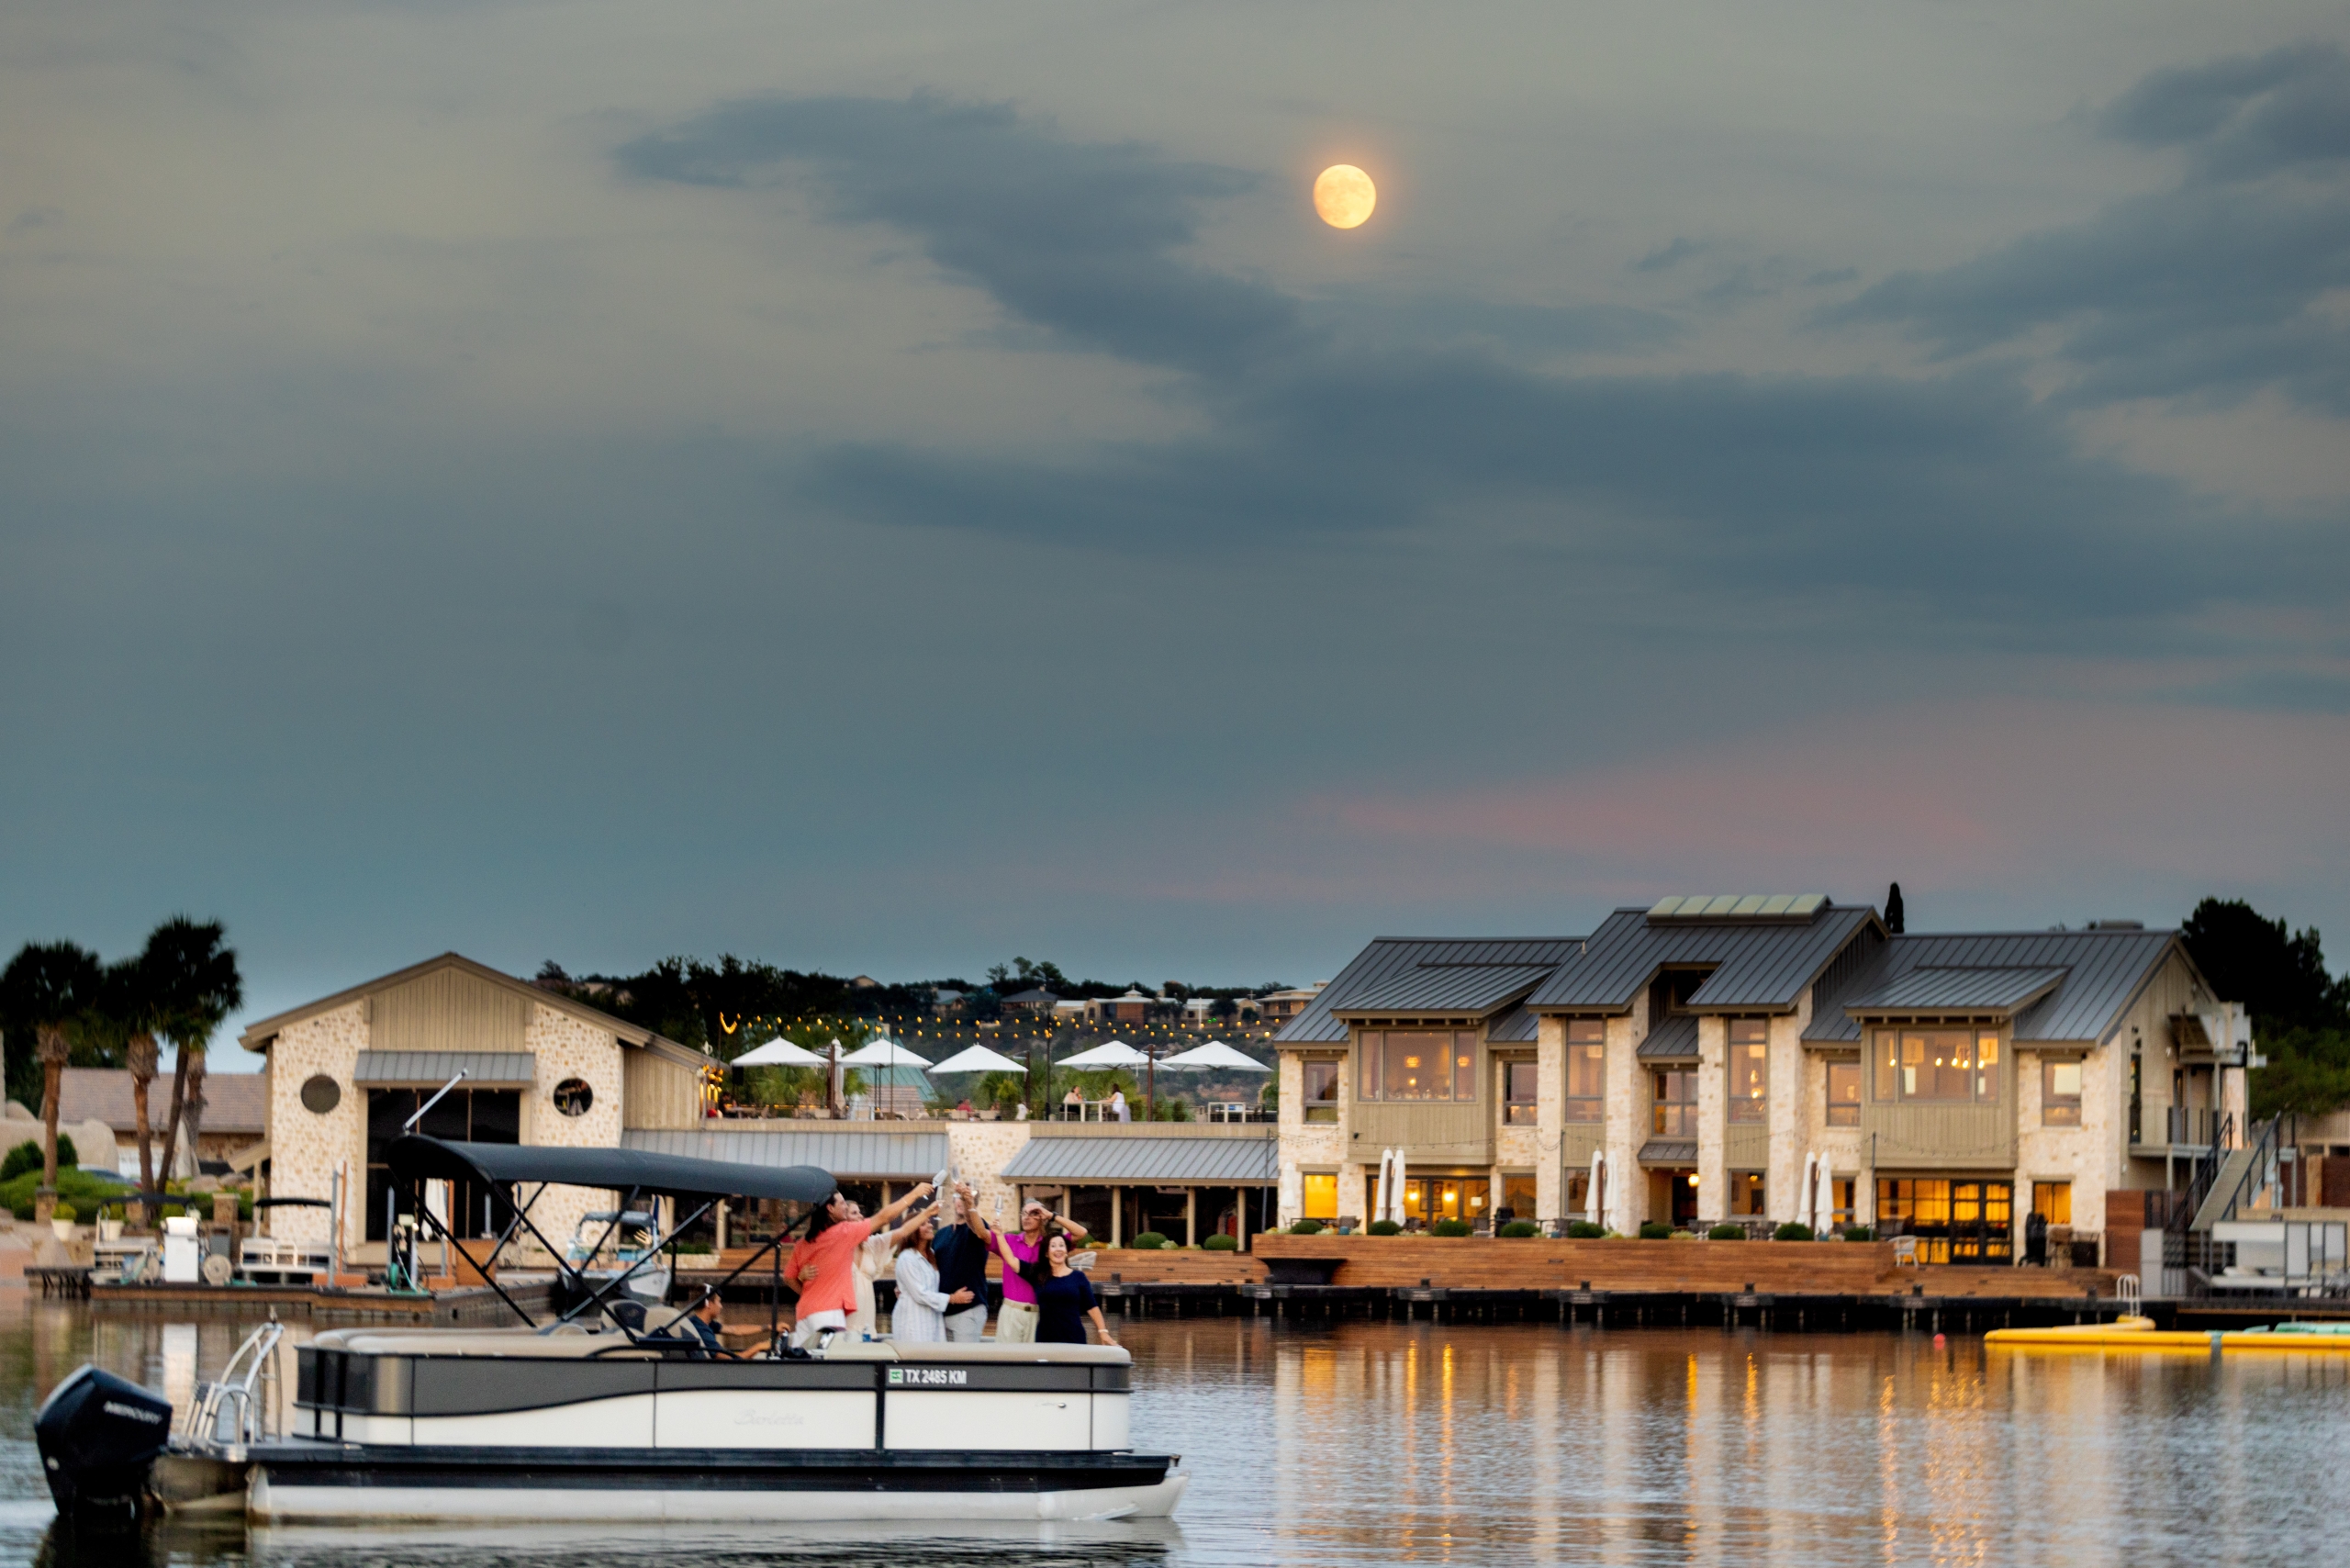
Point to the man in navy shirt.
(962, 1251)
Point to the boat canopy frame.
(633, 1174)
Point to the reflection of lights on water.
(179, 1364)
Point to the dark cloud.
(1665, 257)
(2245, 117)
(2212, 289)
(1078, 238)
(1960, 489)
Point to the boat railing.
(240, 1406)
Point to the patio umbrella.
(1826, 1201)
(1212, 1057)
(1808, 1192)
(1591, 1209)
(779, 1053)
(883, 1053)
(1109, 1053)
(979, 1058)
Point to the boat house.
(1700, 1057)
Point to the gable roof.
(258, 1034)
(233, 1102)
(1934, 988)
(1762, 965)
(2102, 973)
(1390, 965)
(1448, 987)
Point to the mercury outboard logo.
(130, 1411)
(930, 1377)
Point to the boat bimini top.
(698, 1185)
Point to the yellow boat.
(2140, 1334)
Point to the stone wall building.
(1700, 1057)
(345, 1072)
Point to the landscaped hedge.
(1452, 1227)
(1655, 1232)
(1383, 1227)
(1859, 1233)
(1727, 1233)
(1306, 1228)
(1147, 1240)
(1221, 1243)
(1585, 1230)
(1792, 1231)
(27, 1156)
(1519, 1230)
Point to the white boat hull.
(272, 1501)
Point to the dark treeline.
(2300, 1013)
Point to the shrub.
(1147, 1240)
(1519, 1229)
(1792, 1231)
(1221, 1243)
(1306, 1228)
(1655, 1232)
(65, 1212)
(27, 1156)
(1859, 1233)
(1451, 1227)
(1585, 1230)
(79, 1187)
(1727, 1233)
(1383, 1227)
(172, 1211)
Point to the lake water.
(1391, 1443)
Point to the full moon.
(1344, 195)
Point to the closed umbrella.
(1592, 1207)
(779, 1053)
(979, 1059)
(1807, 1192)
(1826, 1202)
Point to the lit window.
(1937, 1065)
(1843, 1095)
(1321, 1197)
(1321, 1092)
(1519, 1079)
(1399, 1064)
(1676, 1103)
(1587, 1069)
(2059, 1094)
(1749, 1062)
(2052, 1201)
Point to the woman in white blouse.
(921, 1315)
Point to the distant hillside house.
(236, 1116)
(347, 1070)
(1028, 1003)
(1280, 1006)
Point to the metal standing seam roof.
(1764, 965)
(845, 1154)
(1675, 1039)
(482, 1070)
(1939, 989)
(1214, 1161)
(1516, 1027)
(1669, 1151)
(1448, 987)
(1388, 956)
(2105, 971)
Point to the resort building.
(346, 1072)
(1696, 1058)
(234, 1130)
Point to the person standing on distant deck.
(1118, 1107)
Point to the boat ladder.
(240, 1405)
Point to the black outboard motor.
(98, 1436)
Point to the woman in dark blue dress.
(1065, 1298)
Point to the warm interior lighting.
(1693, 1178)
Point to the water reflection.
(1393, 1443)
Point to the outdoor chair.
(1905, 1251)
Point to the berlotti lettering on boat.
(944, 1377)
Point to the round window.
(573, 1096)
(321, 1095)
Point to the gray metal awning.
(1669, 1151)
(416, 1070)
(851, 1156)
(1675, 1039)
(1140, 1157)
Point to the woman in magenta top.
(1016, 1324)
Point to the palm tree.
(132, 1014)
(195, 986)
(49, 986)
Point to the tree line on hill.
(61, 1005)
(2300, 1013)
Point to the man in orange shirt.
(825, 1264)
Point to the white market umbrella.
(883, 1053)
(1109, 1053)
(1212, 1057)
(1827, 1199)
(779, 1053)
(979, 1058)
(1598, 1181)
(1807, 1192)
